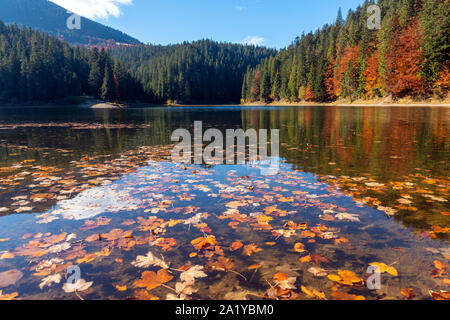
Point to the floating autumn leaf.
(284, 282)
(48, 281)
(116, 234)
(251, 249)
(166, 244)
(440, 265)
(149, 260)
(319, 258)
(11, 296)
(443, 295)
(203, 242)
(313, 293)
(10, 277)
(78, 286)
(299, 247)
(254, 267)
(346, 296)
(221, 264)
(236, 245)
(151, 280)
(305, 259)
(345, 277)
(87, 258)
(7, 255)
(317, 272)
(189, 276)
(120, 288)
(144, 295)
(385, 268)
(408, 293)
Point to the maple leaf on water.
(345, 277)
(151, 280)
(77, 286)
(190, 275)
(149, 260)
(251, 249)
(203, 242)
(385, 268)
(55, 278)
(285, 282)
(221, 264)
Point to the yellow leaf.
(121, 288)
(385, 268)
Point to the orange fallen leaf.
(443, 295)
(151, 280)
(254, 266)
(7, 255)
(236, 245)
(144, 295)
(305, 259)
(251, 249)
(4, 297)
(280, 277)
(408, 293)
(203, 242)
(299, 247)
(385, 268)
(440, 265)
(121, 288)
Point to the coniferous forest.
(408, 56)
(37, 67)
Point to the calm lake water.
(96, 189)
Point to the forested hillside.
(199, 72)
(408, 56)
(48, 17)
(37, 67)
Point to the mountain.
(50, 18)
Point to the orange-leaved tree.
(404, 59)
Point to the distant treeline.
(37, 67)
(408, 56)
(198, 72)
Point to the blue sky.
(273, 23)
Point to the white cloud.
(255, 41)
(93, 9)
(240, 8)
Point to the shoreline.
(354, 104)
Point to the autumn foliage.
(403, 61)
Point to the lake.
(92, 207)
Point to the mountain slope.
(51, 18)
(199, 72)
